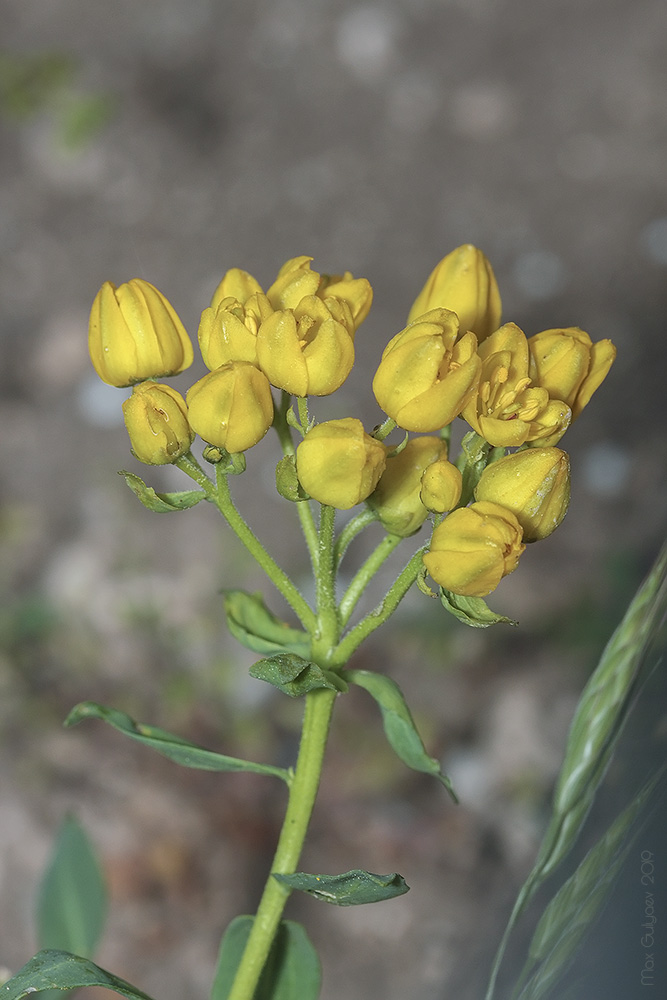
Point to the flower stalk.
(317, 717)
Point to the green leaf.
(399, 726)
(473, 611)
(598, 722)
(349, 889)
(255, 627)
(292, 971)
(161, 503)
(59, 970)
(72, 903)
(296, 676)
(173, 747)
(562, 928)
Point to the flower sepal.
(473, 611)
(287, 481)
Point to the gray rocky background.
(194, 136)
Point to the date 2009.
(647, 868)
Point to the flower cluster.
(454, 359)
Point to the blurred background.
(170, 141)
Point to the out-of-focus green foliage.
(32, 84)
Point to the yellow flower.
(306, 350)
(235, 284)
(464, 282)
(533, 484)
(474, 548)
(228, 332)
(134, 334)
(156, 418)
(356, 292)
(231, 407)
(427, 372)
(396, 499)
(300, 333)
(339, 464)
(508, 410)
(569, 365)
(295, 280)
(441, 486)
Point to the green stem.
(191, 467)
(303, 507)
(364, 575)
(277, 575)
(385, 429)
(328, 628)
(379, 615)
(353, 528)
(221, 496)
(317, 717)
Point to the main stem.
(317, 716)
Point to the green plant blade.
(161, 503)
(295, 676)
(349, 889)
(565, 921)
(72, 904)
(472, 611)
(59, 970)
(399, 726)
(176, 749)
(598, 722)
(601, 714)
(255, 627)
(292, 971)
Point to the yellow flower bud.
(156, 418)
(464, 282)
(396, 499)
(508, 410)
(339, 464)
(533, 484)
(474, 548)
(357, 292)
(427, 372)
(295, 280)
(235, 284)
(441, 486)
(305, 350)
(134, 334)
(228, 332)
(569, 365)
(231, 407)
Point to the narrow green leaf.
(349, 889)
(600, 717)
(295, 676)
(59, 970)
(161, 503)
(562, 928)
(255, 627)
(292, 971)
(72, 904)
(176, 749)
(399, 726)
(473, 611)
